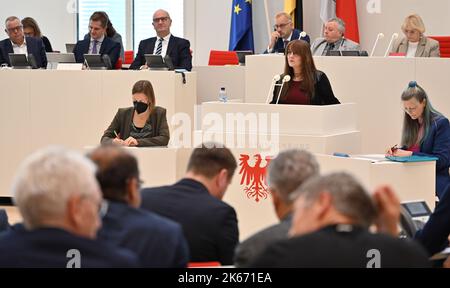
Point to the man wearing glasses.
(17, 43)
(283, 33)
(164, 44)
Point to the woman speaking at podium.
(306, 85)
(142, 125)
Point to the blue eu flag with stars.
(241, 34)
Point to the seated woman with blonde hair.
(415, 43)
(142, 125)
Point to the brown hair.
(308, 68)
(210, 158)
(29, 22)
(100, 16)
(145, 87)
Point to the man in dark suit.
(283, 33)
(330, 228)
(59, 199)
(99, 42)
(17, 43)
(178, 49)
(209, 224)
(4, 224)
(286, 173)
(157, 241)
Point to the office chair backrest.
(221, 58)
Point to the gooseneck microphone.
(379, 36)
(394, 36)
(275, 79)
(286, 79)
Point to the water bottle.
(223, 97)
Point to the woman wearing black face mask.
(142, 125)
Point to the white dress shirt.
(165, 44)
(412, 49)
(22, 49)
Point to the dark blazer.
(328, 248)
(48, 247)
(279, 45)
(121, 124)
(209, 224)
(323, 93)
(248, 250)
(437, 144)
(178, 50)
(47, 45)
(109, 47)
(35, 47)
(4, 224)
(158, 242)
(434, 235)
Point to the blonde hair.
(414, 22)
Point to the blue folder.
(413, 158)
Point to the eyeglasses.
(163, 19)
(281, 26)
(411, 109)
(15, 29)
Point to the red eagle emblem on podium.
(254, 177)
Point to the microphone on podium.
(379, 36)
(394, 36)
(286, 79)
(275, 79)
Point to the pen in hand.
(117, 135)
(393, 149)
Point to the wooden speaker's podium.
(319, 129)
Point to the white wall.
(207, 22)
(53, 16)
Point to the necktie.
(159, 49)
(94, 47)
(286, 42)
(329, 47)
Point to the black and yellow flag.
(295, 9)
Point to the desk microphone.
(379, 36)
(302, 35)
(394, 36)
(275, 79)
(286, 79)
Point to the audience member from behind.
(283, 33)
(142, 125)
(164, 44)
(330, 228)
(307, 85)
(157, 241)
(99, 42)
(4, 223)
(59, 199)
(426, 132)
(209, 224)
(333, 39)
(18, 43)
(286, 173)
(415, 43)
(31, 29)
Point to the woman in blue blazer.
(426, 132)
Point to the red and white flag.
(344, 9)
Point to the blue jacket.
(437, 144)
(279, 45)
(48, 248)
(35, 47)
(109, 47)
(209, 224)
(4, 224)
(178, 50)
(158, 242)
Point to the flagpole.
(269, 29)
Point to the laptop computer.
(70, 47)
(241, 55)
(157, 62)
(354, 53)
(54, 58)
(20, 61)
(97, 61)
